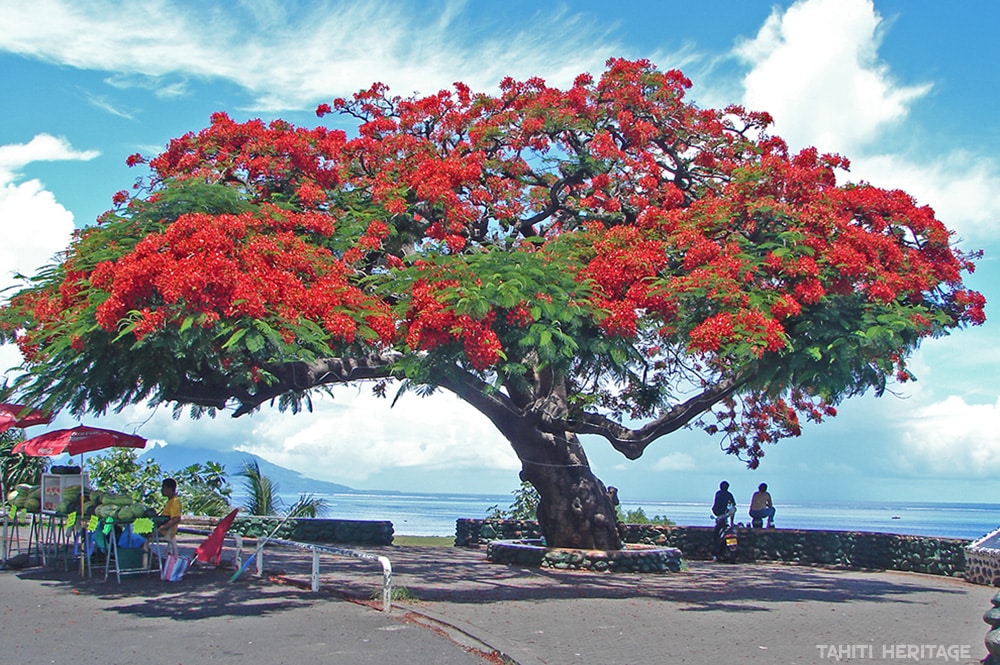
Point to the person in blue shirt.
(723, 501)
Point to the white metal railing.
(337, 551)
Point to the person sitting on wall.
(724, 502)
(724, 511)
(761, 507)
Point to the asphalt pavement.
(455, 607)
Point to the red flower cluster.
(231, 267)
(432, 323)
(745, 326)
(694, 238)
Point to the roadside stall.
(122, 529)
(87, 518)
(126, 531)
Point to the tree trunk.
(574, 509)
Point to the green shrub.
(638, 516)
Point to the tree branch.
(498, 407)
(289, 378)
(633, 442)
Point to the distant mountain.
(174, 458)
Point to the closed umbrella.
(77, 441)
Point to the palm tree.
(264, 499)
(18, 468)
(207, 489)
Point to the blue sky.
(906, 89)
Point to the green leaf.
(255, 343)
(545, 338)
(234, 338)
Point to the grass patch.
(397, 593)
(423, 541)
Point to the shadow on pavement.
(458, 575)
(203, 593)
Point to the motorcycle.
(727, 545)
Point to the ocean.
(418, 514)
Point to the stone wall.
(853, 549)
(474, 532)
(306, 529)
(982, 566)
(635, 559)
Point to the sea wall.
(851, 549)
(982, 566)
(307, 529)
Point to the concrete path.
(49, 617)
(462, 608)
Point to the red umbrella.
(76, 441)
(16, 415)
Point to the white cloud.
(346, 440)
(815, 69)
(34, 225)
(952, 437)
(105, 105)
(358, 434)
(675, 462)
(963, 189)
(291, 58)
(42, 148)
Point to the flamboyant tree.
(607, 259)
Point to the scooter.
(727, 545)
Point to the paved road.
(48, 617)
(711, 613)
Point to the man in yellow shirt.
(172, 510)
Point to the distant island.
(174, 457)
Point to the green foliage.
(523, 508)
(119, 470)
(308, 505)
(203, 488)
(263, 496)
(18, 468)
(261, 490)
(638, 516)
(397, 593)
